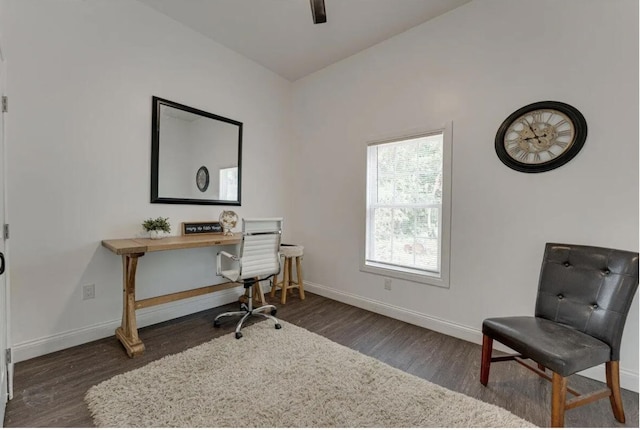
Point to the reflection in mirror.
(195, 156)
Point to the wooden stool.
(289, 252)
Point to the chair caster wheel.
(238, 335)
(274, 312)
(278, 326)
(216, 324)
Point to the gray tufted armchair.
(584, 296)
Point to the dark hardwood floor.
(49, 390)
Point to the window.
(229, 183)
(408, 207)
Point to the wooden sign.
(201, 227)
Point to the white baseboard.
(145, 317)
(628, 378)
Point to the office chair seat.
(232, 275)
(557, 347)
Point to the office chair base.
(248, 313)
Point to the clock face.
(202, 179)
(541, 136)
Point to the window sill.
(406, 274)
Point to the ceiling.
(281, 36)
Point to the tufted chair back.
(589, 289)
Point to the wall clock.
(541, 136)
(202, 179)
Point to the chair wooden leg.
(258, 295)
(613, 382)
(558, 399)
(274, 286)
(487, 345)
(285, 281)
(299, 274)
(290, 266)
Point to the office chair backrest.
(259, 252)
(589, 289)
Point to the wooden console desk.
(131, 249)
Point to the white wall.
(475, 66)
(81, 75)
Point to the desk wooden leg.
(128, 331)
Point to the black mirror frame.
(155, 155)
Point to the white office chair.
(259, 260)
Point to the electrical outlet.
(387, 284)
(89, 292)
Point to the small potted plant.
(157, 228)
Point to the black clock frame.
(574, 115)
(206, 174)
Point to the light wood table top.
(143, 245)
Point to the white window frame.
(436, 279)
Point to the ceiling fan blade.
(318, 11)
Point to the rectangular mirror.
(195, 156)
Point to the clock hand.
(530, 128)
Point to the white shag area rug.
(282, 378)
